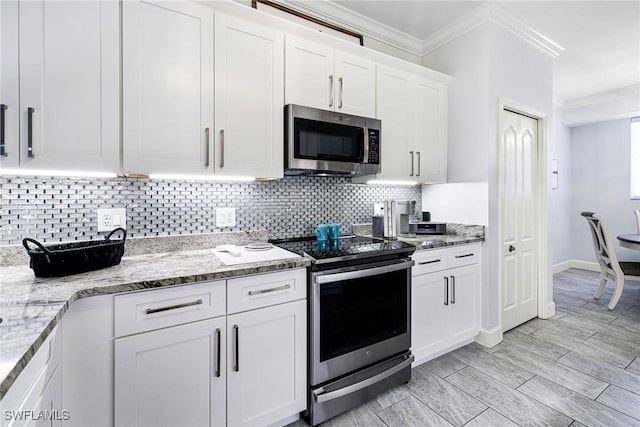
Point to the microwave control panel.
(374, 146)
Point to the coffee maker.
(397, 215)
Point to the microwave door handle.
(362, 144)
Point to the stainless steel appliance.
(423, 227)
(323, 142)
(359, 293)
(397, 218)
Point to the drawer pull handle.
(465, 255)
(173, 307)
(265, 291)
(453, 289)
(446, 291)
(236, 348)
(429, 262)
(217, 354)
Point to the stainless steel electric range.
(359, 296)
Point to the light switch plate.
(225, 217)
(110, 219)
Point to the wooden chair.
(637, 212)
(610, 268)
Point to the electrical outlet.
(110, 219)
(225, 217)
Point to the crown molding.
(333, 12)
(490, 12)
(486, 12)
(599, 98)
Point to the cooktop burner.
(345, 248)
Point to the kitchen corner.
(32, 307)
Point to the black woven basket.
(76, 257)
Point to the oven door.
(359, 316)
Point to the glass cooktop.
(347, 247)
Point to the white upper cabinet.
(393, 90)
(249, 99)
(67, 113)
(430, 130)
(167, 81)
(413, 111)
(317, 75)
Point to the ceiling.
(601, 39)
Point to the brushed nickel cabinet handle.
(464, 256)
(331, 90)
(418, 154)
(3, 152)
(236, 348)
(30, 112)
(341, 84)
(206, 145)
(216, 353)
(411, 153)
(453, 289)
(429, 262)
(446, 291)
(221, 148)
(265, 291)
(173, 307)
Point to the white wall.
(488, 63)
(600, 174)
(462, 203)
(561, 219)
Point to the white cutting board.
(246, 256)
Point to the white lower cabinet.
(444, 300)
(170, 376)
(34, 397)
(201, 366)
(266, 364)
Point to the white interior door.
(519, 246)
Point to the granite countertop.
(31, 307)
(457, 234)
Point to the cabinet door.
(430, 131)
(69, 85)
(393, 107)
(462, 311)
(167, 73)
(170, 377)
(428, 295)
(9, 78)
(249, 99)
(355, 87)
(309, 74)
(267, 364)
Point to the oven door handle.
(365, 272)
(321, 396)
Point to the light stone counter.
(31, 307)
(457, 234)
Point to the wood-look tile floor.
(581, 367)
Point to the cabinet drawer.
(463, 255)
(429, 261)
(247, 293)
(159, 308)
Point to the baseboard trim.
(574, 263)
(489, 338)
(550, 311)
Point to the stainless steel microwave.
(321, 142)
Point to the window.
(635, 158)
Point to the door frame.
(546, 309)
